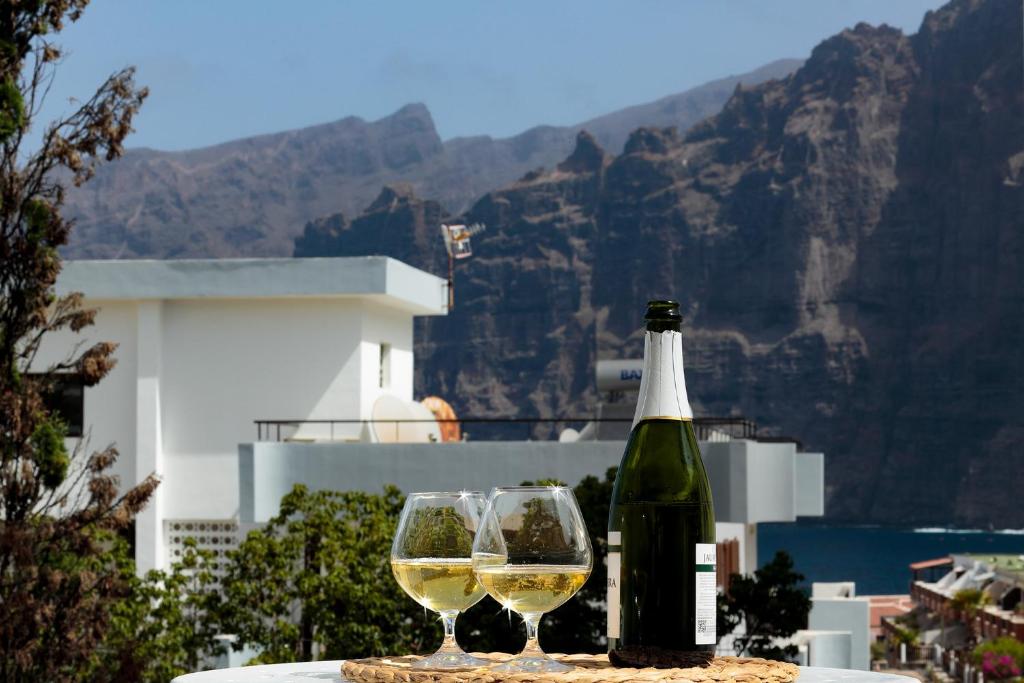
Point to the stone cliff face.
(847, 244)
(251, 197)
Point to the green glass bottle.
(661, 525)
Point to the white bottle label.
(614, 574)
(706, 594)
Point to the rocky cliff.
(848, 244)
(251, 197)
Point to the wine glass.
(431, 558)
(531, 554)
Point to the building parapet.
(377, 278)
(752, 482)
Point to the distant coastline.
(876, 557)
(954, 530)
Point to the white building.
(208, 346)
(839, 627)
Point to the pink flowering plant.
(998, 667)
(1000, 659)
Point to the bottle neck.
(662, 385)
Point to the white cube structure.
(208, 346)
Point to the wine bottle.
(661, 524)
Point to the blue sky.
(224, 69)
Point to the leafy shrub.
(1000, 659)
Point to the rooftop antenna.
(456, 243)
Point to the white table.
(331, 671)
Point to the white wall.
(395, 328)
(149, 450)
(851, 615)
(763, 480)
(831, 649)
(229, 362)
(810, 484)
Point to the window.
(66, 399)
(384, 370)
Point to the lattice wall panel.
(216, 535)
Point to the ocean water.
(877, 558)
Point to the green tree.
(166, 625)
(968, 601)
(60, 510)
(771, 603)
(316, 582)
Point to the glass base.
(450, 660)
(532, 664)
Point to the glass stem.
(449, 644)
(532, 648)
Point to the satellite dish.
(426, 432)
(569, 435)
(390, 416)
(394, 421)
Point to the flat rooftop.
(375, 278)
(1011, 565)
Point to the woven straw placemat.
(589, 669)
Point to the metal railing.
(704, 427)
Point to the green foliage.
(316, 582)
(771, 603)
(968, 600)
(38, 217)
(166, 624)
(906, 635)
(12, 108)
(49, 452)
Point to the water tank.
(619, 375)
(396, 420)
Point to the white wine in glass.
(532, 553)
(439, 584)
(431, 559)
(527, 588)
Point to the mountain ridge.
(251, 197)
